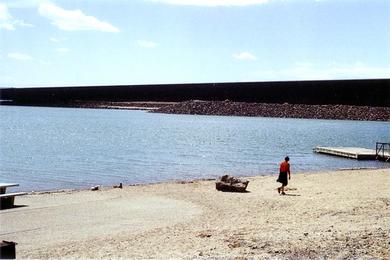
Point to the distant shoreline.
(229, 108)
(105, 187)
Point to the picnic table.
(7, 199)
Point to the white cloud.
(19, 56)
(52, 39)
(22, 3)
(212, 2)
(57, 39)
(7, 22)
(146, 44)
(361, 70)
(73, 20)
(21, 23)
(25, 57)
(244, 56)
(308, 71)
(63, 50)
(7, 26)
(4, 14)
(44, 62)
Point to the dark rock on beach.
(228, 108)
(230, 183)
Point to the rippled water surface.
(52, 148)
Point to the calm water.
(52, 148)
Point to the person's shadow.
(289, 194)
(292, 195)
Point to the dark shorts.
(283, 178)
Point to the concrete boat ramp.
(352, 152)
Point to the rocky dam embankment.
(228, 108)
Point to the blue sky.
(103, 42)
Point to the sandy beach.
(338, 214)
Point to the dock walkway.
(351, 152)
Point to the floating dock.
(349, 152)
(382, 152)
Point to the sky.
(112, 42)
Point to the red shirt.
(284, 166)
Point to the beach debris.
(120, 186)
(95, 187)
(230, 183)
(204, 234)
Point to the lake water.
(55, 148)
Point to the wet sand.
(336, 214)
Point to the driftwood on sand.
(230, 183)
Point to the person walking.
(283, 172)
